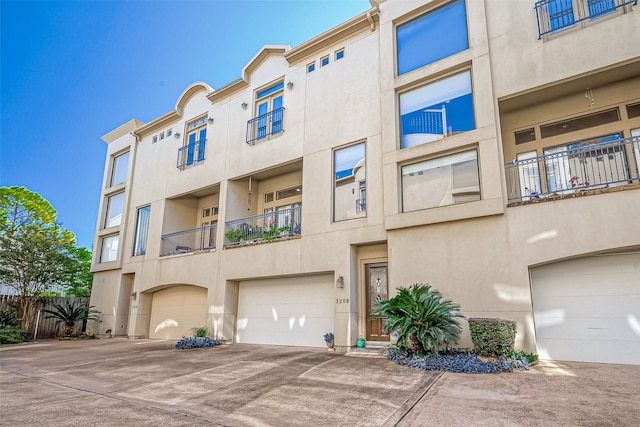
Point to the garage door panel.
(588, 309)
(289, 311)
(176, 311)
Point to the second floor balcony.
(280, 224)
(191, 154)
(187, 241)
(579, 167)
(265, 126)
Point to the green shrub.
(421, 318)
(531, 357)
(7, 318)
(200, 332)
(12, 335)
(493, 337)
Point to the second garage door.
(287, 311)
(588, 309)
(176, 311)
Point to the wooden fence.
(47, 328)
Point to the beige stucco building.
(488, 148)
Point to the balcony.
(278, 225)
(580, 167)
(191, 154)
(265, 126)
(187, 241)
(556, 15)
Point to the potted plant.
(328, 339)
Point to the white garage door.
(291, 311)
(588, 309)
(177, 310)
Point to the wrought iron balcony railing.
(265, 227)
(186, 241)
(265, 125)
(583, 166)
(556, 15)
(191, 154)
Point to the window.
(633, 110)
(524, 136)
(432, 37)
(162, 135)
(442, 181)
(109, 248)
(579, 123)
(349, 182)
(119, 169)
(169, 133)
(311, 67)
(436, 110)
(142, 230)
(193, 152)
(289, 192)
(269, 111)
(115, 203)
(339, 54)
(324, 61)
(155, 138)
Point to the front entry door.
(377, 291)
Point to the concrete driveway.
(117, 382)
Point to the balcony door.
(196, 141)
(269, 111)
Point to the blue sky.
(71, 71)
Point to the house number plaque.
(342, 300)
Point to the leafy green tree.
(79, 278)
(69, 314)
(421, 318)
(35, 252)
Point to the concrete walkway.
(117, 382)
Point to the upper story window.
(311, 67)
(109, 248)
(269, 114)
(339, 54)
(436, 110)
(441, 181)
(431, 37)
(115, 205)
(556, 15)
(324, 61)
(192, 152)
(349, 193)
(119, 167)
(142, 230)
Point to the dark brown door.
(377, 291)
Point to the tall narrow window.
(269, 114)
(350, 182)
(119, 169)
(193, 152)
(432, 37)
(436, 110)
(142, 231)
(442, 181)
(113, 215)
(109, 248)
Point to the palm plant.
(69, 314)
(421, 318)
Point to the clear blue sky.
(74, 70)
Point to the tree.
(69, 314)
(79, 278)
(422, 319)
(35, 252)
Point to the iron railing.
(265, 125)
(186, 241)
(556, 15)
(583, 166)
(191, 154)
(269, 226)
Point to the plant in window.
(423, 321)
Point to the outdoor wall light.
(243, 105)
(210, 120)
(176, 135)
(134, 295)
(289, 85)
(340, 282)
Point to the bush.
(196, 342)
(8, 318)
(456, 361)
(493, 337)
(201, 332)
(421, 318)
(12, 335)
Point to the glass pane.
(203, 140)
(431, 37)
(114, 210)
(377, 286)
(435, 110)
(191, 148)
(109, 250)
(440, 182)
(142, 230)
(270, 90)
(560, 14)
(120, 166)
(289, 192)
(350, 176)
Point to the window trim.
(112, 172)
(109, 197)
(137, 235)
(102, 251)
(356, 182)
(322, 61)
